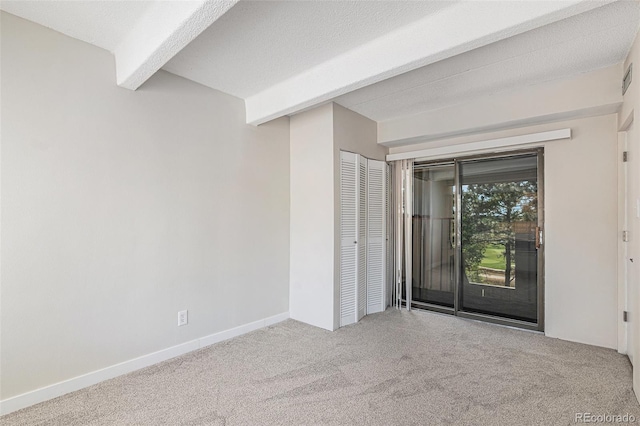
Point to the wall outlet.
(183, 318)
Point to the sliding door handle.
(452, 234)
(538, 237)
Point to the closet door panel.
(376, 236)
(388, 235)
(348, 237)
(362, 236)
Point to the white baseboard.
(58, 389)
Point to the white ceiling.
(383, 59)
(582, 43)
(101, 23)
(260, 43)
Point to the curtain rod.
(465, 148)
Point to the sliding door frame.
(457, 261)
(539, 325)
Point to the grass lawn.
(493, 258)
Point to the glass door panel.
(499, 216)
(433, 271)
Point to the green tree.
(488, 214)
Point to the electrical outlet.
(183, 318)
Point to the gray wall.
(352, 132)
(580, 247)
(121, 208)
(312, 217)
(317, 136)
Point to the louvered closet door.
(388, 236)
(376, 241)
(348, 237)
(362, 237)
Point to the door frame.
(539, 325)
(622, 281)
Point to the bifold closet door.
(362, 236)
(388, 236)
(376, 236)
(352, 238)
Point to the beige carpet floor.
(396, 367)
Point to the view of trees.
(488, 214)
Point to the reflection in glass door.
(499, 215)
(433, 235)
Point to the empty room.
(319, 212)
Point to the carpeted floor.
(391, 368)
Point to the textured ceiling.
(260, 43)
(256, 48)
(585, 42)
(101, 23)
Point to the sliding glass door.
(499, 215)
(476, 238)
(433, 235)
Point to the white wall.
(312, 218)
(581, 233)
(121, 208)
(593, 93)
(317, 136)
(580, 227)
(352, 132)
(580, 186)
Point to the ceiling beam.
(457, 29)
(163, 31)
